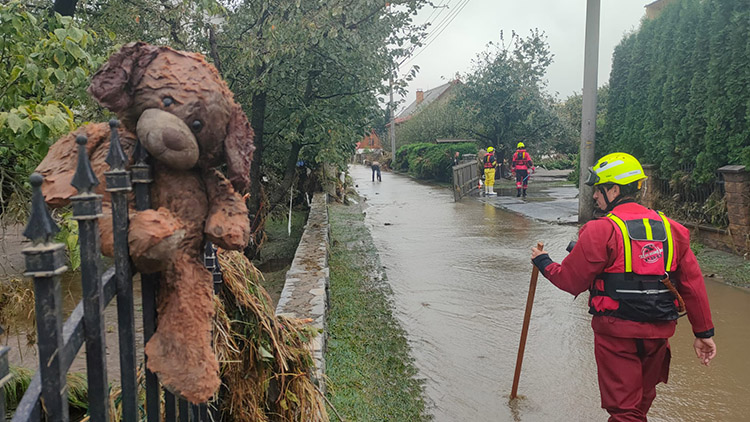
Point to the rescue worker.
(640, 273)
(489, 171)
(520, 165)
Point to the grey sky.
(480, 21)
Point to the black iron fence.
(59, 341)
(694, 202)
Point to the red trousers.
(629, 370)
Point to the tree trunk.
(290, 172)
(255, 205)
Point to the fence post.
(45, 262)
(87, 208)
(4, 377)
(737, 194)
(141, 175)
(118, 185)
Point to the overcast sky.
(476, 22)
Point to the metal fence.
(59, 341)
(694, 202)
(465, 179)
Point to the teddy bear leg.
(154, 237)
(180, 351)
(227, 224)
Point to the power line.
(446, 19)
(439, 30)
(441, 7)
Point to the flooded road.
(460, 275)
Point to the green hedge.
(430, 161)
(679, 92)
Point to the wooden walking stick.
(525, 329)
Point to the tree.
(440, 119)
(570, 113)
(504, 95)
(46, 62)
(678, 90)
(309, 72)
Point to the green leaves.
(503, 97)
(43, 76)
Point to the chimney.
(420, 96)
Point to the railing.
(700, 203)
(58, 341)
(465, 179)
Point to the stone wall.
(736, 238)
(305, 293)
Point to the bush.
(430, 161)
(558, 162)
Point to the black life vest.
(632, 288)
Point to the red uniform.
(520, 165)
(632, 356)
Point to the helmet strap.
(619, 199)
(606, 200)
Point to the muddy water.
(460, 274)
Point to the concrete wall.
(305, 293)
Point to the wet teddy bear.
(184, 115)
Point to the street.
(460, 274)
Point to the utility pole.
(588, 121)
(392, 127)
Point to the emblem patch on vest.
(651, 253)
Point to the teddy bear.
(181, 111)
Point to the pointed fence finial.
(116, 157)
(139, 154)
(40, 228)
(84, 180)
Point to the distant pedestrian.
(456, 159)
(376, 171)
(521, 165)
(489, 171)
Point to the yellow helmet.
(490, 149)
(618, 168)
(520, 145)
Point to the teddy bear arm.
(153, 237)
(227, 225)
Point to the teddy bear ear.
(112, 85)
(238, 149)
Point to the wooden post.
(525, 328)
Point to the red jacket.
(521, 160)
(598, 247)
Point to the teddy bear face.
(179, 85)
(180, 108)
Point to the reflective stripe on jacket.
(489, 161)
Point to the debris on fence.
(265, 359)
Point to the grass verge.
(732, 269)
(371, 374)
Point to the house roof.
(429, 96)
